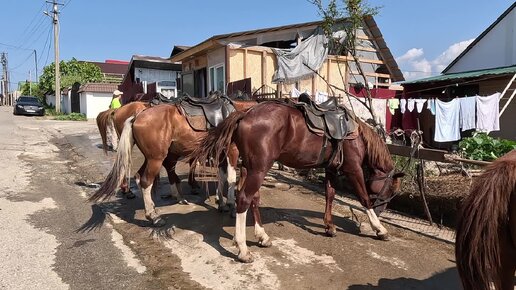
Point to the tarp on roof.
(464, 75)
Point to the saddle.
(327, 118)
(205, 113)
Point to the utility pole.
(5, 78)
(36, 63)
(55, 21)
(30, 82)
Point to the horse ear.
(398, 175)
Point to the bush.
(484, 147)
(71, 117)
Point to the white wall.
(152, 75)
(94, 103)
(496, 49)
(67, 104)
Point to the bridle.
(378, 199)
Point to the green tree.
(32, 90)
(72, 72)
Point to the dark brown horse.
(272, 131)
(163, 135)
(485, 246)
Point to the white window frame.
(215, 67)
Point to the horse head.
(383, 188)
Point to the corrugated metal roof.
(464, 75)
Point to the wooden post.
(420, 175)
(264, 67)
(245, 63)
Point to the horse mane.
(378, 155)
(483, 218)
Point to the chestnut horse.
(163, 135)
(272, 131)
(485, 246)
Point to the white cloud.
(414, 64)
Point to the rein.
(379, 201)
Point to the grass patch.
(71, 117)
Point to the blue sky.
(424, 36)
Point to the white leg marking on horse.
(259, 232)
(231, 183)
(240, 238)
(375, 222)
(220, 187)
(150, 211)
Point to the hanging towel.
(321, 97)
(488, 116)
(393, 105)
(431, 106)
(294, 93)
(467, 113)
(447, 121)
(410, 105)
(419, 104)
(403, 105)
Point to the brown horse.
(163, 135)
(485, 246)
(272, 131)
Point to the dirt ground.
(195, 249)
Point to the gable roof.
(214, 42)
(484, 33)
(98, 87)
(111, 67)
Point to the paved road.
(55, 239)
(42, 213)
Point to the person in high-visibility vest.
(116, 102)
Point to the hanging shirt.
(393, 105)
(467, 113)
(431, 106)
(447, 121)
(419, 104)
(379, 107)
(403, 105)
(410, 105)
(488, 115)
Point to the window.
(217, 79)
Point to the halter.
(377, 197)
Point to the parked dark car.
(26, 105)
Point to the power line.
(22, 63)
(44, 46)
(38, 13)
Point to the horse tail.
(121, 166)
(483, 215)
(216, 143)
(103, 119)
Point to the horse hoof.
(265, 244)
(223, 208)
(382, 237)
(158, 222)
(246, 259)
(129, 195)
(183, 202)
(331, 233)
